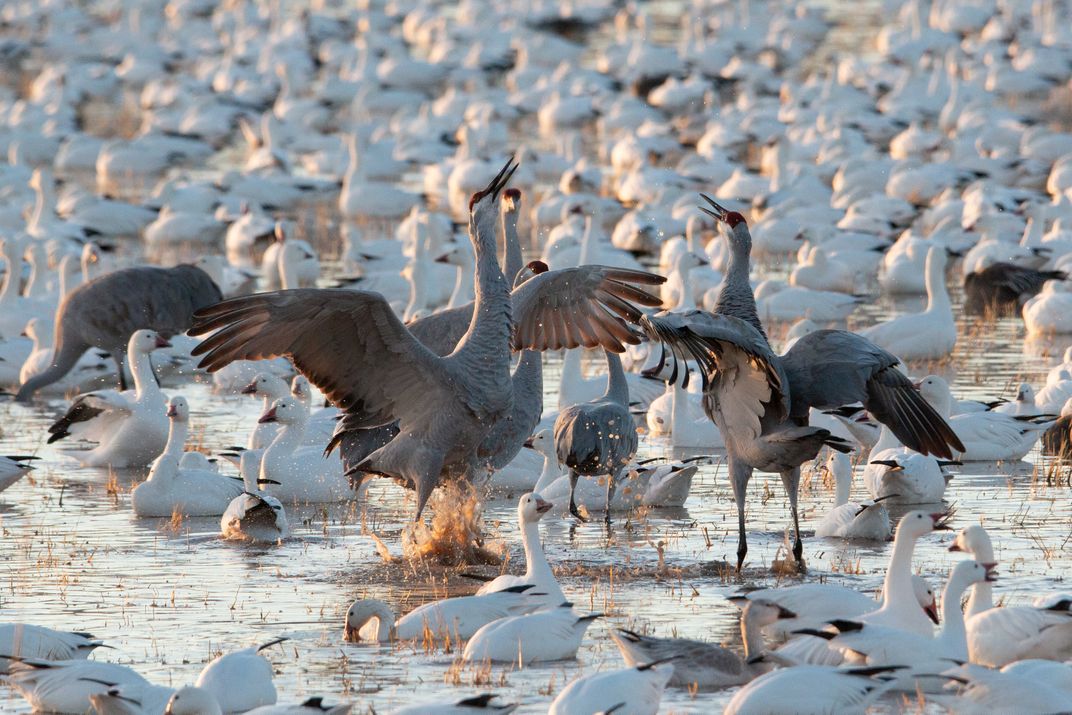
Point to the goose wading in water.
(353, 347)
(130, 427)
(760, 401)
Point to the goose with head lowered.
(450, 619)
(130, 427)
(552, 634)
(637, 690)
(868, 520)
(253, 515)
(353, 347)
(761, 401)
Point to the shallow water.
(168, 597)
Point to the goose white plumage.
(553, 634)
(130, 427)
(477, 705)
(448, 619)
(64, 686)
(171, 488)
(867, 520)
(630, 691)
(25, 640)
(253, 515)
(294, 472)
(14, 467)
(538, 573)
(240, 680)
(810, 690)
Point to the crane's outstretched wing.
(742, 376)
(350, 344)
(587, 305)
(831, 368)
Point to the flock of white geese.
(487, 183)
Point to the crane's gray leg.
(573, 476)
(791, 482)
(612, 486)
(740, 473)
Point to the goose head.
(920, 523)
(192, 701)
(39, 330)
(973, 540)
(302, 390)
(266, 385)
(531, 508)
(970, 572)
(760, 612)
(145, 341)
(285, 411)
(925, 597)
(543, 442)
(1025, 393)
(935, 391)
(178, 410)
(368, 619)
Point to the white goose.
(810, 690)
(477, 705)
(253, 515)
(530, 509)
(903, 476)
(130, 427)
(867, 520)
(554, 634)
(171, 489)
(270, 388)
(26, 640)
(987, 436)
(883, 645)
(448, 620)
(299, 473)
(65, 686)
(930, 335)
(705, 665)
(637, 691)
(240, 680)
(13, 467)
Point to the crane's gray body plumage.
(106, 311)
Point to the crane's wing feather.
(831, 368)
(589, 305)
(743, 377)
(350, 344)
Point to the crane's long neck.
(617, 387)
(512, 258)
(528, 383)
(488, 337)
(736, 297)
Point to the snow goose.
(298, 473)
(171, 488)
(130, 427)
(190, 700)
(15, 309)
(634, 691)
(811, 690)
(362, 197)
(1023, 405)
(553, 634)
(999, 636)
(253, 515)
(131, 699)
(851, 520)
(930, 335)
(249, 236)
(423, 388)
(530, 509)
(883, 645)
(27, 641)
(824, 272)
(289, 262)
(705, 665)
(162, 298)
(64, 686)
(270, 388)
(906, 477)
(12, 469)
(975, 541)
(240, 680)
(311, 706)
(980, 691)
(574, 387)
(477, 705)
(447, 620)
(688, 429)
(986, 436)
(173, 227)
(1049, 311)
(776, 301)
